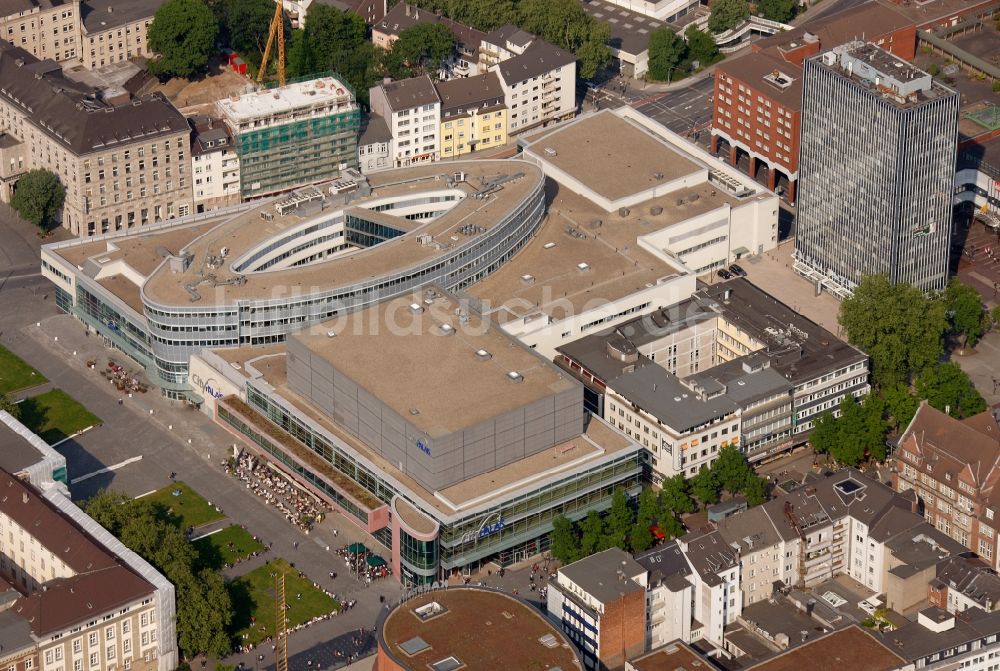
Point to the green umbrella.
(357, 549)
(375, 561)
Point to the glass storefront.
(503, 532)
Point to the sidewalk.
(173, 438)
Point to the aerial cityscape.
(500, 335)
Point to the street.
(683, 110)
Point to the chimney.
(24, 497)
(407, 7)
(111, 10)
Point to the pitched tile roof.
(72, 113)
(539, 58)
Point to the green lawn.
(188, 508)
(253, 596)
(214, 551)
(15, 374)
(55, 415)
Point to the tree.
(422, 48)
(332, 33)
(641, 538)
(486, 15)
(823, 436)
(701, 46)
(8, 405)
(947, 387)
(731, 469)
(900, 406)
(727, 14)
(675, 497)
(755, 491)
(593, 53)
(592, 534)
(900, 328)
(38, 197)
(248, 23)
(183, 34)
(874, 427)
(204, 609)
(564, 544)
(299, 57)
(666, 50)
(620, 520)
(705, 486)
(849, 448)
(777, 10)
(965, 309)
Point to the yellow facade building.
(473, 115)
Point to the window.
(93, 638)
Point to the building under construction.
(292, 136)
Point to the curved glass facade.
(176, 331)
(418, 559)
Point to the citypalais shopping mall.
(476, 472)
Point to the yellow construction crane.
(280, 615)
(277, 30)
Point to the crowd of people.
(358, 564)
(298, 507)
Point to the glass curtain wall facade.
(465, 539)
(875, 181)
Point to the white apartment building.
(682, 429)
(715, 573)
(411, 109)
(600, 604)
(215, 165)
(502, 44)
(375, 147)
(539, 86)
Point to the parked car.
(724, 274)
(737, 270)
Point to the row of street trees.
(671, 56)
(905, 332)
(635, 529)
(185, 33)
(564, 23)
(204, 609)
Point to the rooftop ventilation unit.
(548, 245)
(416, 308)
(331, 334)
(527, 279)
(447, 329)
(582, 267)
(515, 377)
(483, 355)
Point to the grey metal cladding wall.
(298, 364)
(370, 419)
(345, 402)
(393, 437)
(509, 437)
(568, 414)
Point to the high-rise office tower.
(876, 167)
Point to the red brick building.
(954, 468)
(758, 97)
(601, 602)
